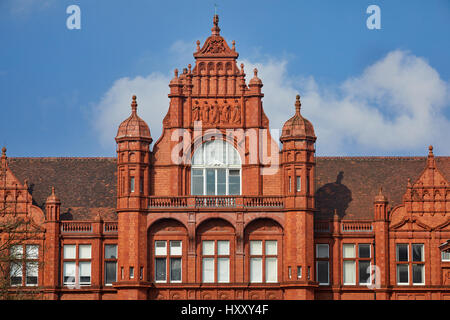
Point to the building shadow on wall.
(333, 197)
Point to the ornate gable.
(429, 195)
(15, 199)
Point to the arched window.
(216, 169)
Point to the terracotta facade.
(281, 224)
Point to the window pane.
(223, 270)
(402, 252)
(364, 272)
(132, 184)
(299, 185)
(110, 251)
(69, 251)
(16, 274)
(233, 156)
(417, 252)
(175, 248)
(175, 269)
(271, 247)
(16, 252)
(32, 274)
(110, 272)
(364, 250)
(445, 256)
(403, 273)
(160, 248)
(255, 270)
(256, 247)
(69, 272)
(208, 270)
(197, 181)
(85, 273)
(349, 272)
(221, 181)
(85, 251)
(32, 251)
(198, 155)
(234, 182)
(210, 181)
(349, 250)
(322, 251)
(208, 248)
(271, 270)
(160, 269)
(223, 247)
(322, 272)
(418, 273)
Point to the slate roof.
(84, 185)
(348, 184)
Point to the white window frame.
(226, 166)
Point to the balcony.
(356, 226)
(213, 202)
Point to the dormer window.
(216, 169)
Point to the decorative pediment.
(410, 224)
(215, 45)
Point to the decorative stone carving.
(216, 113)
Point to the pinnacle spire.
(134, 105)
(215, 29)
(431, 162)
(298, 104)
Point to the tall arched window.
(216, 169)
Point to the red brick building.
(215, 210)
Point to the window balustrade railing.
(217, 202)
(356, 226)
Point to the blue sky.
(58, 86)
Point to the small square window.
(256, 247)
(349, 250)
(402, 253)
(208, 248)
(417, 252)
(175, 248)
(85, 251)
(364, 250)
(32, 251)
(223, 248)
(322, 251)
(160, 248)
(69, 251)
(445, 256)
(271, 247)
(110, 251)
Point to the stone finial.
(380, 197)
(242, 68)
(175, 72)
(298, 104)
(134, 104)
(430, 161)
(198, 45)
(255, 72)
(233, 43)
(3, 151)
(189, 68)
(215, 29)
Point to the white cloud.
(395, 106)
(114, 107)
